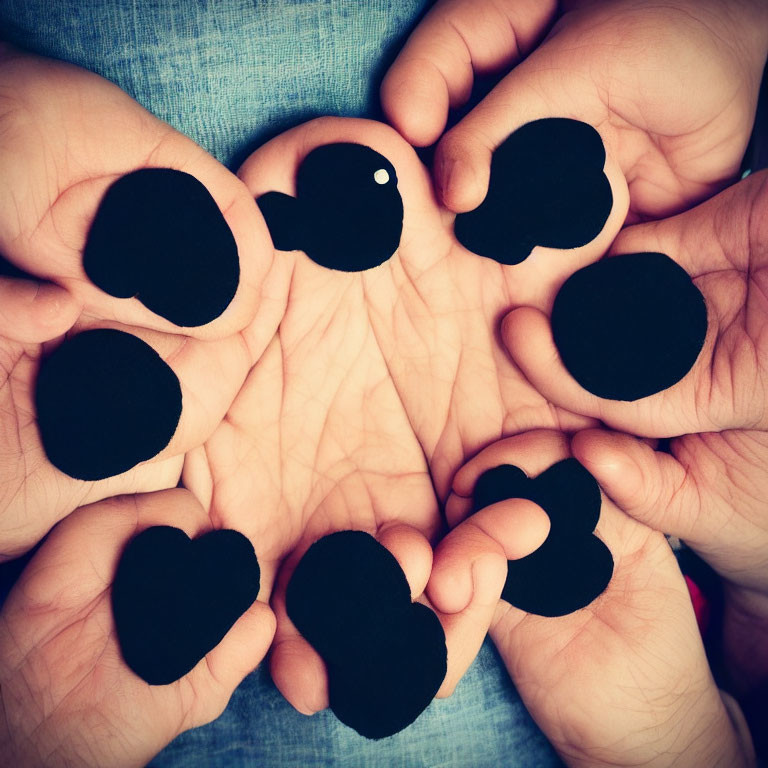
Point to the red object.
(700, 604)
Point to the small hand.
(67, 696)
(623, 681)
(671, 88)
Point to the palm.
(674, 99)
(67, 695)
(36, 494)
(379, 384)
(721, 245)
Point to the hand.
(721, 244)
(707, 491)
(376, 388)
(672, 89)
(624, 681)
(66, 136)
(67, 696)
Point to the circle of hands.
(322, 401)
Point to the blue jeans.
(231, 74)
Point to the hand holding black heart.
(572, 567)
(386, 656)
(547, 187)
(174, 598)
(159, 235)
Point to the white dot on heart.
(381, 176)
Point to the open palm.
(67, 697)
(377, 387)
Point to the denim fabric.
(483, 724)
(227, 73)
(231, 74)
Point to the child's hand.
(377, 386)
(67, 696)
(623, 681)
(67, 135)
(671, 88)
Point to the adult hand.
(623, 681)
(67, 696)
(376, 388)
(671, 88)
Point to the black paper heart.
(159, 235)
(547, 187)
(386, 656)
(174, 598)
(347, 213)
(629, 326)
(572, 567)
(105, 401)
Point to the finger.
(297, 669)
(241, 650)
(412, 551)
(32, 312)
(651, 487)
(527, 334)
(434, 71)
(469, 574)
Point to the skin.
(67, 697)
(661, 706)
(66, 136)
(668, 87)
(355, 414)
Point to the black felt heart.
(159, 235)
(174, 598)
(105, 401)
(572, 567)
(629, 326)
(347, 213)
(386, 656)
(547, 187)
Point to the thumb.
(32, 312)
(455, 40)
(650, 486)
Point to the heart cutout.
(547, 187)
(174, 599)
(572, 567)
(159, 235)
(386, 656)
(347, 214)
